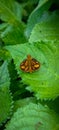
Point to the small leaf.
(45, 81)
(33, 117)
(5, 95)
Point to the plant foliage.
(6, 102)
(29, 27)
(47, 30)
(45, 86)
(33, 117)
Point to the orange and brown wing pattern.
(35, 64)
(30, 64)
(24, 66)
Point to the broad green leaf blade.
(33, 117)
(36, 15)
(46, 31)
(13, 35)
(45, 81)
(5, 95)
(10, 11)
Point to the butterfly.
(30, 64)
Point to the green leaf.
(13, 35)
(36, 15)
(46, 31)
(4, 75)
(33, 117)
(5, 95)
(18, 10)
(45, 81)
(10, 11)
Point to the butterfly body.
(30, 64)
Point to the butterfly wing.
(35, 64)
(29, 65)
(24, 66)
